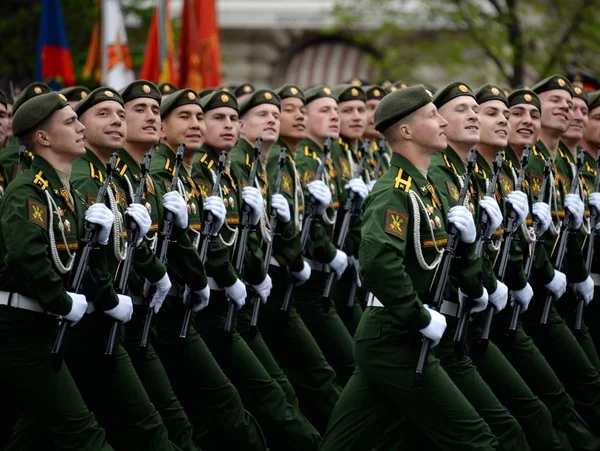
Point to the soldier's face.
(370, 132)
(463, 120)
(184, 124)
(9, 109)
(525, 124)
(323, 119)
(222, 128)
(105, 126)
(557, 106)
(262, 120)
(293, 119)
(353, 119)
(3, 124)
(143, 121)
(592, 131)
(578, 122)
(428, 129)
(64, 134)
(493, 120)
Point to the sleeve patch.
(453, 190)
(286, 184)
(205, 189)
(506, 184)
(396, 223)
(38, 213)
(535, 184)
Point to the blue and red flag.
(54, 64)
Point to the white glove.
(522, 296)
(78, 308)
(594, 201)
(253, 198)
(585, 289)
(321, 193)
(371, 184)
(558, 284)
(519, 203)
(479, 304)
(499, 297)
(541, 210)
(339, 263)
(264, 289)
(436, 327)
(358, 186)
(100, 215)
(303, 275)
(176, 204)
(162, 289)
(123, 311)
(203, 296)
(493, 211)
(237, 293)
(279, 203)
(215, 205)
(575, 206)
(463, 221)
(140, 215)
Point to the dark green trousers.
(349, 315)
(591, 318)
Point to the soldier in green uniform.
(75, 94)
(35, 242)
(243, 91)
(381, 395)
(374, 95)
(322, 256)
(5, 128)
(9, 114)
(211, 402)
(166, 89)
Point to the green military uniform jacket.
(371, 162)
(588, 179)
(9, 160)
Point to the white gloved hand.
(253, 198)
(321, 193)
(499, 297)
(463, 221)
(215, 205)
(436, 327)
(493, 211)
(522, 296)
(558, 285)
(176, 204)
(101, 215)
(263, 289)
(237, 293)
(594, 201)
(162, 289)
(541, 210)
(279, 203)
(358, 186)
(585, 289)
(202, 297)
(140, 215)
(78, 308)
(575, 206)
(339, 263)
(371, 184)
(123, 311)
(478, 304)
(303, 275)
(519, 203)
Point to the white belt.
(373, 301)
(596, 278)
(212, 284)
(17, 300)
(317, 266)
(449, 309)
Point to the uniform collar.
(309, 144)
(453, 161)
(406, 170)
(126, 162)
(92, 158)
(511, 159)
(45, 175)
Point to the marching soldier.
(166, 89)
(374, 95)
(75, 94)
(5, 127)
(9, 114)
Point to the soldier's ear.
(163, 135)
(42, 138)
(405, 132)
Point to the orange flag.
(190, 51)
(159, 60)
(209, 40)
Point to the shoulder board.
(310, 153)
(561, 153)
(248, 162)
(95, 173)
(402, 181)
(375, 146)
(506, 160)
(40, 180)
(169, 166)
(449, 163)
(536, 152)
(206, 161)
(121, 169)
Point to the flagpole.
(103, 35)
(162, 35)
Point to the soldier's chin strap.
(416, 202)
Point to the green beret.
(553, 82)
(490, 92)
(357, 82)
(35, 111)
(400, 84)
(386, 83)
(75, 93)
(289, 91)
(141, 89)
(452, 91)
(258, 98)
(374, 92)
(218, 99)
(580, 93)
(524, 96)
(206, 91)
(98, 95)
(346, 93)
(167, 88)
(594, 100)
(34, 89)
(399, 104)
(244, 89)
(3, 99)
(319, 92)
(177, 99)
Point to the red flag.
(159, 61)
(190, 51)
(209, 40)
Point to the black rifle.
(509, 233)
(443, 271)
(205, 240)
(165, 234)
(242, 240)
(483, 232)
(310, 208)
(132, 238)
(566, 228)
(590, 248)
(512, 328)
(90, 241)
